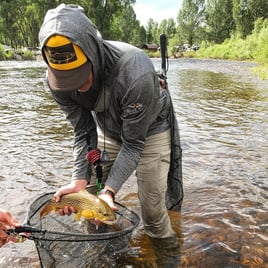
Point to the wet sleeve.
(85, 133)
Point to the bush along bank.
(252, 48)
(9, 53)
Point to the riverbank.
(252, 48)
(261, 71)
(229, 50)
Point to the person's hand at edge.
(7, 221)
(73, 187)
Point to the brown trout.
(86, 205)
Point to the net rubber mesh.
(63, 242)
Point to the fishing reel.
(96, 158)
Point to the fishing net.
(63, 242)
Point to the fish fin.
(77, 216)
(88, 214)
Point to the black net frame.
(63, 226)
(62, 242)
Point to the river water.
(222, 110)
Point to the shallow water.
(223, 117)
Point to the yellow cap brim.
(62, 54)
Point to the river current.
(222, 111)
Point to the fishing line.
(104, 154)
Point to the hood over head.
(72, 47)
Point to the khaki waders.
(151, 173)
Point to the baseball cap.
(68, 66)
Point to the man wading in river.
(111, 94)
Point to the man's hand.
(109, 200)
(73, 187)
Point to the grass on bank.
(19, 54)
(252, 48)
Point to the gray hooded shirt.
(138, 107)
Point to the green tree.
(219, 20)
(9, 31)
(152, 32)
(191, 21)
(246, 12)
(127, 26)
(168, 27)
(143, 35)
(102, 13)
(21, 21)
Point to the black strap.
(103, 101)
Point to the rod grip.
(163, 51)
